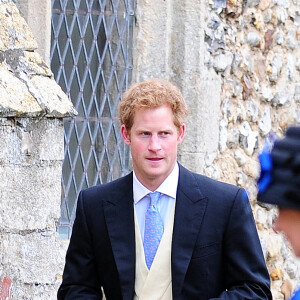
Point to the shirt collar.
(168, 186)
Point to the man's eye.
(164, 133)
(145, 133)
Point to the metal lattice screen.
(91, 58)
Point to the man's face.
(288, 222)
(153, 139)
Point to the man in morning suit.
(162, 232)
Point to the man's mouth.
(154, 158)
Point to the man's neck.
(152, 183)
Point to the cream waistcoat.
(156, 283)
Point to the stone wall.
(30, 172)
(254, 47)
(39, 21)
(32, 106)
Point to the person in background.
(162, 232)
(279, 184)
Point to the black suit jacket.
(216, 252)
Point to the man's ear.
(125, 135)
(181, 133)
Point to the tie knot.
(154, 198)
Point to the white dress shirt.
(166, 201)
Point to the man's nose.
(154, 144)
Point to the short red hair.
(150, 94)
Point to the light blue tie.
(154, 229)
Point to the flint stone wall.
(32, 106)
(254, 47)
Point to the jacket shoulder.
(110, 189)
(211, 188)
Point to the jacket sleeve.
(80, 280)
(245, 270)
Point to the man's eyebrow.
(142, 130)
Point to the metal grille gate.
(91, 58)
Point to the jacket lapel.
(189, 212)
(119, 216)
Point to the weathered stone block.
(15, 99)
(51, 97)
(33, 262)
(30, 196)
(14, 31)
(24, 141)
(23, 259)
